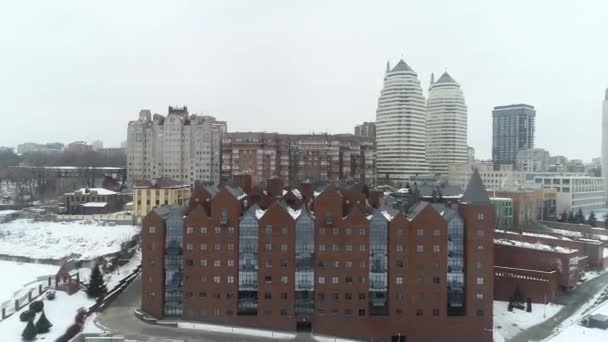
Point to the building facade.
(470, 154)
(532, 160)
(504, 212)
(333, 266)
(575, 192)
(148, 195)
(401, 125)
(493, 176)
(513, 130)
(446, 125)
(92, 201)
(366, 129)
(79, 147)
(296, 158)
(180, 146)
(605, 142)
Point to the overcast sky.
(80, 70)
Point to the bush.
(37, 306)
(50, 294)
(43, 325)
(27, 315)
(72, 331)
(29, 333)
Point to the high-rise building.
(337, 266)
(605, 142)
(298, 157)
(470, 154)
(532, 160)
(401, 125)
(182, 147)
(366, 129)
(513, 130)
(446, 125)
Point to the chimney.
(375, 198)
(244, 181)
(275, 187)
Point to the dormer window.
(224, 216)
(329, 218)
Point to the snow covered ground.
(112, 279)
(20, 274)
(508, 324)
(56, 240)
(581, 333)
(60, 312)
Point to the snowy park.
(83, 240)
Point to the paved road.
(120, 319)
(572, 301)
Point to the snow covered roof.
(259, 213)
(546, 236)
(94, 191)
(94, 204)
(536, 246)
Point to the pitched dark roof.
(401, 66)
(445, 78)
(476, 191)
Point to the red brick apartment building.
(295, 158)
(330, 264)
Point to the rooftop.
(94, 191)
(514, 106)
(535, 246)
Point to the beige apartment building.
(148, 195)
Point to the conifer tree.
(592, 220)
(97, 287)
(29, 333)
(43, 325)
(571, 217)
(564, 217)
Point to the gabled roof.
(475, 192)
(401, 66)
(445, 78)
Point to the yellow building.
(163, 191)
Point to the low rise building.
(575, 192)
(493, 176)
(504, 212)
(163, 191)
(92, 201)
(532, 160)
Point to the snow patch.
(508, 324)
(235, 330)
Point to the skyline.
(252, 64)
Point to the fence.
(116, 218)
(26, 295)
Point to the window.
(189, 230)
(348, 264)
(268, 247)
(335, 248)
(217, 263)
(399, 248)
(419, 248)
(283, 279)
(321, 280)
(217, 230)
(349, 248)
(217, 279)
(348, 280)
(321, 264)
(283, 295)
(203, 279)
(348, 296)
(436, 280)
(362, 231)
(335, 296)
(361, 312)
(230, 262)
(436, 232)
(399, 263)
(361, 296)
(399, 280)
(436, 265)
(435, 248)
(203, 246)
(480, 217)
(348, 312)
(479, 280)
(189, 246)
(283, 247)
(480, 232)
(152, 230)
(419, 232)
(268, 263)
(362, 264)
(322, 231)
(400, 231)
(362, 279)
(321, 248)
(203, 262)
(419, 279)
(283, 263)
(419, 312)
(230, 247)
(267, 295)
(284, 231)
(435, 312)
(268, 230)
(218, 247)
(335, 231)
(348, 231)
(230, 280)
(268, 279)
(203, 230)
(230, 230)
(479, 296)
(334, 280)
(362, 248)
(283, 312)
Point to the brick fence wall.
(539, 286)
